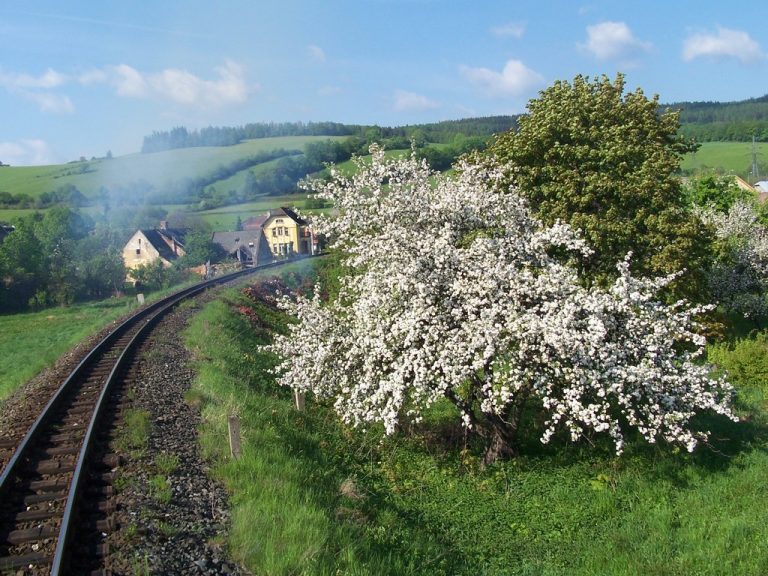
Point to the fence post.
(234, 436)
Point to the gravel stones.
(170, 521)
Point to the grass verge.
(312, 497)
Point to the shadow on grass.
(384, 538)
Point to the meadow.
(724, 158)
(33, 341)
(311, 496)
(156, 169)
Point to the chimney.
(163, 224)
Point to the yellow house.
(286, 233)
(146, 246)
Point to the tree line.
(439, 132)
(57, 258)
(724, 121)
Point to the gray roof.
(158, 240)
(230, 241)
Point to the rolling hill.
(157, 170)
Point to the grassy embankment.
(312, 497)
(32, 341)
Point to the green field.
(32, 341)
(725, 158)
(157, 169)
(311, 496)
(225, 217)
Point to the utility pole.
(755, 170)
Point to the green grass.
(160, 488)
(166, 463)
(156, 169)
(311, 497)
(225, 217)
(349, 167)
(32, 341)
(135, 431)
(724, 158)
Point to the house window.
(138, 251)
(274, 232)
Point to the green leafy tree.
(604, 161)
(22, 266)
(716, 192)
(99, 265)
(199, 248)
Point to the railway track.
(55, 484)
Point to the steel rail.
(155, 311)
(67, 522)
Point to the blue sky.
(79, 78)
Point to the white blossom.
(452, 292)
(739, 278)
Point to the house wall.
(281, 231)
(138, 251)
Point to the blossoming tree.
(452, 292)
(738, 278)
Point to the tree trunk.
(502, 438)
(502, 433)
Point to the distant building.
(246, 246)
(743, 184)
(5, 229)
(285, 232)
(288, 234)
(147, 246)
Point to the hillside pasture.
(725, 158)
(156, 170)
(225, 217)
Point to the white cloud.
(725, 43)
(25, 153)
(316, 54)
(180, 86)
(410, 102)
(93, 77)
(516, 79)
(129, 82)
(48, 102)
(514, 29)
(36, 89)
(611, 40)
(50, 79)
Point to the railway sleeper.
(24, 561)
(68, 450)
(83, 403)
(50, 485)
(33, 499)
(27, 535)
(36, 515)
(6, 443)
(63, 466)
(67, 436)
(70, 427)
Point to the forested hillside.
(724, 121)
(438, 132)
